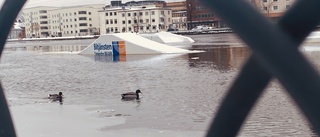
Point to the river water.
(181, 92)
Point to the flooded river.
(181, 92)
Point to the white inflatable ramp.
(129, 43)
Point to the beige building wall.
(62, 21)
(135, 19)
(75, 21)
(273, 8)
(36, 21)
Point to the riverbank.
(55, 38)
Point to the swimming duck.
(56, 96)
(131, 95)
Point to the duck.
(131, 95)
(56, 96)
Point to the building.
(273, 9)
(75, 21)
(138, 18)
(179, 14)
(62, 21)
(36, 21)
(198, 15)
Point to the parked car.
(172, 29)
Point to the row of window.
(64, 26)
(115, 29)
(70, 14)
(276, 7)
(207, 15)
(146, 13)
(115, 21)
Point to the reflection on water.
(181, 92)
(56, 48)
(223, 58)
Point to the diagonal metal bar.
(242, 95)
(8, 14)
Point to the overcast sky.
(34, 3)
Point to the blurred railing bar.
(253, 77)
(8, 14)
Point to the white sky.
(34, 3)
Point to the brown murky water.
(180, 92)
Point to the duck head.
(138, 91)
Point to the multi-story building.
(63, 21)
(36, 21)
(75, 20)
(179, 14)
(199, 15)
(143, 18)
(273, 9)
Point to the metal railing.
(268, 42)
(8, 14)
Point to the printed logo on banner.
(116, 48)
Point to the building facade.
(199, 15)
(138, 19)
(36, 21)
(179, 14)
(62, 22)
(273, 9)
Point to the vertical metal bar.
(8, 14)
(243, 94)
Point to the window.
(123, 14)
(129, 14)
(168, 12)
(153, 20)
(275, 0)
(147, 20)
(141, 21)
(110, 13)
(265, 8)
(82, 18)
(275, 7)
(265, 0)
(141, 27)
(152, 12)
(288, 6)
(123, 22)
(146, 13)
(129, 21)
(83, 24)
(115, 13)
(140, 13)
(89, 13)
(107, 21)
(83, 30)
(134, 14)
(106, 13)
(115, 21)
(42, 11)
(154, 27)
(135, 21)
(111, 21)
(90, 19)
(82, 12)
